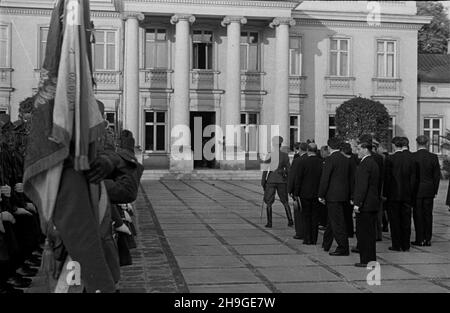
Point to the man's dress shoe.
(297, 237)
(360, 265)
(339, 253)
(355, 250)
(27, 271)
(394, 249)
(418, 244)
(427, 243)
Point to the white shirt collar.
(365, 157)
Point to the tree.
(359, 116)
(433, 37)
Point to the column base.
(182, 162)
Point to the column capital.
(233, 19)
(132, 15)
(282, 21)
(182, 17)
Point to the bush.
(359, 116)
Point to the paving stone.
(287, 260)
(317, 287)
(298, 274)
(208, 262)
(430, 270)
(407, 286)
(230, 288)
(388, 272)
(200, 250)
(235, 275)
(263, 249)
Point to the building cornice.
(348, 19)
(5, 11)
(238, 3)
(349, 24)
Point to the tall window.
(105, 50)
(202, 49)
(4, 46)
(110, 117)
(331, 126)
(43, 33)
(432, 128)
(3, 111)
(339, 57)
(249, 132)
(249, 51)
(156, 48)
(294, 130)
(155, 131)
(295, 56)
(386, 58)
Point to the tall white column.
(181, 151)
(131, 73)
(281, 112)
(232, 108)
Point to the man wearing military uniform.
(275, 179)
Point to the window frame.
(300, 50)
(166, 41)
(155, 123)
(213, 57)
(244, 129)
(385, 53)
(338, 60)
(40, 56)
(105, 52)
(114, 124)
(431, 129)
(7, 26)
(332, 127)
(297, 127)
(247, 45)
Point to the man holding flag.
(65, 163)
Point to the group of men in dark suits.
(364, 184)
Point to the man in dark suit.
(399, 186)
(306, 188)
(429, 174)
(334, 191)
(366, 203)
(296, 150)
(275, 178)
(347, 151)
(300, 157)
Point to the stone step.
(202, 174)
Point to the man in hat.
(275, 178)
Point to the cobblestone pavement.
(208, 236)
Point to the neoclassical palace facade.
(160, 63)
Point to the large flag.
(67, 118)
(65, 127)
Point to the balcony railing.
(155, 79)
(5, 77)
(340, 85)
(204, 79)
(107, 80)
(387, 87)
(297, 85)
(252, 81)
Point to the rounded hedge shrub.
(359, 116)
